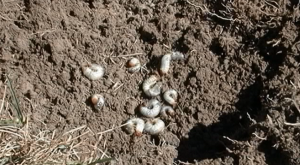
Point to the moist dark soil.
(239, 84)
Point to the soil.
(241, 64)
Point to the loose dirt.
(242, 63)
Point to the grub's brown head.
(94, 99)
(138, 133)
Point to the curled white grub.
(154, 126)
(151, 87)
(166, 61)
(151, 109)
(170, 96)
(167, 111)
(98, 101)
(134, 65)
(93, 71)
(135, 126)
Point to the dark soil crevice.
(147, 35)
(27, 4)
(249, 100)
(180, 44)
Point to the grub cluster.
(152, 87)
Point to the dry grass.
(20, 145)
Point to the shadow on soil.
(208, 142)
(273, 155)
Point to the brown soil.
(242, 62)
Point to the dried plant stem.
(129, 55)
(109, 130)
(292, 124)
(204, 9)
(15, 101)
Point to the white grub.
(154, 126)
(98, 101)
(151, 87)
(151, 109)
(135, 126)
(166, 61)
(93, 71)
(177, 56)
(170, 96)
(134, 65)
(165, 64)
(167, 111)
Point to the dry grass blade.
(128, 55)
(295, 103)
(292, 124)
(26, 146)
(15, 102)
(3, 100)
(109, 130)
(43, 148)
(204, 9)
(101, 161)
(74, 130)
